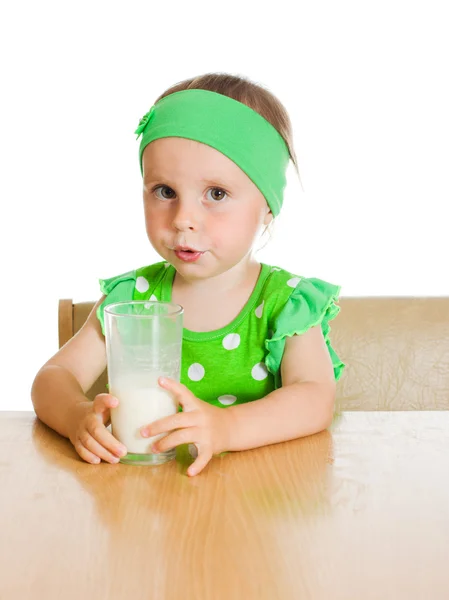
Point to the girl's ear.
(268, 218)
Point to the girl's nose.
(185, 218)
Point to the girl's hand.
(201, 424)
(89, 435)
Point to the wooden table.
(360, 512)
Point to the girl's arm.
(303, 406)
(59, 388)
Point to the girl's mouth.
(187, 254)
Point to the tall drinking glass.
(143, 343)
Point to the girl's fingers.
(103, 403)
(105, 438)
(172, 386)
(180, 436)
(180, 392)
(85, 454)
(204, 457)
(97, 449)
(166, 424)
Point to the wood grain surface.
(357, 512)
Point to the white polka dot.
(142, 284)
(259, 310)
(166, 265)
(193, 450)
(293, 282)
(231, 341)
(147, 305)
(275, 269)
(153, 298)
(227, 399)
(259, 372)
(196, 372)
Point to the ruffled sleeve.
(311, 303)
(116, 289)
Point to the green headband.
(231, 127)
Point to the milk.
(140, 403)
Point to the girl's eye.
(217, 194)
(163, 192)
(166, 192)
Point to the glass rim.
(178, 309)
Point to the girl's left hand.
(200, 423)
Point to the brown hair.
(243, 90)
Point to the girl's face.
(202, 213)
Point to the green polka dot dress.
(240, 362)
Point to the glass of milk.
(143, 343)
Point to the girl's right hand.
(89, 435)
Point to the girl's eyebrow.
(217, 181)
(153, 176)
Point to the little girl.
(213, 156)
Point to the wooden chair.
(71, 319)
(396, 351)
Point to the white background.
(366, 86)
